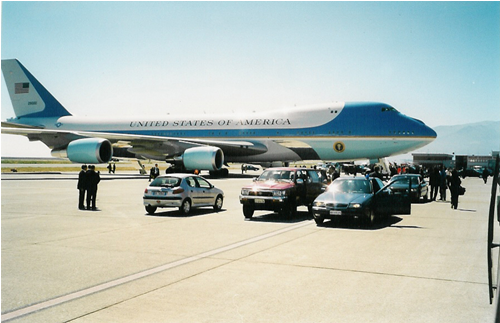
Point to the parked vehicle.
(247, 167)
(185, 191)
(281, 190)
(359, 198)
(419, 187)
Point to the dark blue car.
(359, 198)
(419, 187)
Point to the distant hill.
(467, 139)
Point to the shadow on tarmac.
(348, 223)
(300, 216)
(175, 213)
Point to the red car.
(282, 190)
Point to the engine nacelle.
(206, 158)
(87, 151)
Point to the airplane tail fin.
(30, 99)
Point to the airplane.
(336, 131)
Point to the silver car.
(184, 191)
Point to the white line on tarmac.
(99, 288)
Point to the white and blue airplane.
(339, 131)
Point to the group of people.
(88, 179)
(440, 178)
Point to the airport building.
(432, 160)
(454, 161)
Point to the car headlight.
(319, 204)
(279, 193)
(355, 205)
(245, 191)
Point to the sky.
(435, 61)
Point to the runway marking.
(127, 279)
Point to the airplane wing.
(155, 147)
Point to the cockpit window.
(384, 109)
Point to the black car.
(419, 187)
(360, 198)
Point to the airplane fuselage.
(335, 131)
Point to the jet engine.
(86, 151)
(207, 158)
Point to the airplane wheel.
(150, 209)
(248, 211)
(218, 203)
(185, 208)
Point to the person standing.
(82, 187)
(485, 175)
(154, 172)
(442, 184)
(93, 178)
(434, 182)
(455, 188)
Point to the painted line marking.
(127, 279)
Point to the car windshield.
(276, 175)
(166, 182)
(350, 186)
(406, 180)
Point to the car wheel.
(248, 211)
(150, 209)
(318, 219)
(185, 208)
(218, 203)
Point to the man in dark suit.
(93, 178)
(154, 172)
(82, 187)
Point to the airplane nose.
(429, 132)
(433, 133)
(426, 130)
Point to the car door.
(194, 191)
(301, 186)
(389, 202)
(315, 185)
(382, 198)
(206, 193)
(400, 202)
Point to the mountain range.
(479, 138)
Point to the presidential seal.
(339, 146)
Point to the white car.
(184, 191)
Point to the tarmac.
(118, 264)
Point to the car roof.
(361, 178)
(405, 175)
(179, 175)
(290, 168)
